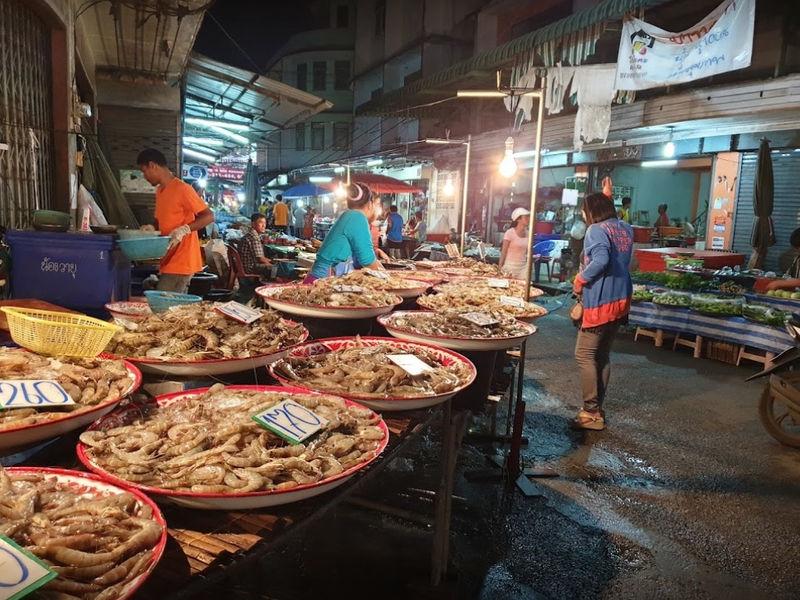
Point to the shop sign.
(25, 393)
(291, 421)
(621, 153)
(20, 571)
(651, 57)
(226, 172)
(189, 171)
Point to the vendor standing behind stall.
(179, 214)
(394, 232)
(515, 253)
(349, 237)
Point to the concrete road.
(684, 496)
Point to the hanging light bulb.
(669, 147)
(340, 191)
(508, 166)
(449, 189)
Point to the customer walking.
(280, 214)
(515, 253)
(299, 220)
(605, 286)
(394, 232)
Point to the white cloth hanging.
(558, 80)
(594, 89)
(524, 104)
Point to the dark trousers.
(593, 355)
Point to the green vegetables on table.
(762, 313)
(673, 299)
(717, 306)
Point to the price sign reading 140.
(291, 421)
(26, 393)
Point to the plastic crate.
(79, 271)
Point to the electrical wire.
(244, 53)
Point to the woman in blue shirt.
(349, 237)
(394, 233)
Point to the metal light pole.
(468, 143)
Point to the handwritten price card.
(20, 572)
(409, 363)
(291, 421)
(29, 393)
(497, 283)
(512, 301)
(240, 312)
(378, 274)
(480, 319)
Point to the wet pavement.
(683, 496)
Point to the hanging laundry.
(558, 80)
(523, 104)
(594, 89)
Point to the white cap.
(519, 212)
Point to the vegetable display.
(673, 299)
(717, 306)
(765, 314)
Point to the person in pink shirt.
(515, 253)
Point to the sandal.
(590, 421)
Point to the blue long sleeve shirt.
(348, 238)
(607, 288)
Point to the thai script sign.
(651, 57)
(49, 266)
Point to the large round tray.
(218, 366)
(463, 344)
(94, 485)
(410, 292)
(322, 312)
(388, 403)
(244, 501)
(39, 432)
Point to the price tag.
(240, 312)
(27, 393)
(481, 250)
(452, 250)
(378, 274)
(20, 571)
(512, 301)
(409, 363)
(497, 283)
(355, 289)
(291, 421)
(479, 318)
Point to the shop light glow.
(239, 139)
(240, 196)
(320, 179)
(508, 166)
(197, 154)
(449, 189)
(659, 163)
(340, 191)
(375, 163)
(528, 153)
(202, 182)
(211, 123)
(669, 147)
(203, 141)
(339, 170)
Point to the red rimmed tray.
(387, 403)
(214, 366)
(244, 501)
(15, 437)
(463, 344)
(90, 482)
(322, 312)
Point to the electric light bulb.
(669, 149)
(340, 191)
(508, 166)
(448, 188)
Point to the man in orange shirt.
(179, 214)
(280, 214)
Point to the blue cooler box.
(79, 271)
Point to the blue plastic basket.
(161, 301)
(149, 248)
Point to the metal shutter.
(26, 167)
(786, 211)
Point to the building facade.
(319, 61)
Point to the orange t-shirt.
(177, 204)
(280, 212)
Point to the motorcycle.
(779, 407)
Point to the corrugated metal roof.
(214, 90)
(504, 54)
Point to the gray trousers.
(173, 283)
(593, 355)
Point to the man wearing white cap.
(515, 252)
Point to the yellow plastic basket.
(58, 333)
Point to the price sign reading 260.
(27, 393)
(291, 421)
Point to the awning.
(256, 104)
(307, 190)
(382, 184)
(506, 54)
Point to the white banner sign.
(651, 57)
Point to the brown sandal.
(590, 421)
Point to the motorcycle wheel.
(774, 414)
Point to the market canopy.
(307, 189)
(246, 106)
(382, 184)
